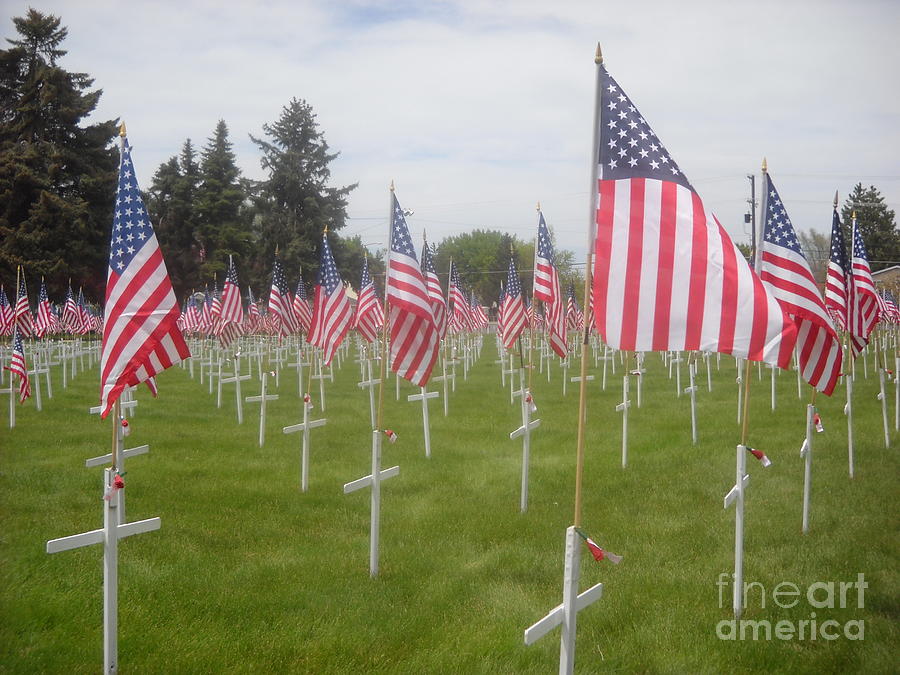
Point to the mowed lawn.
(249, 574)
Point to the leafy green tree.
(295, 203)
(876, 224)
(57, 175)
(482, 257)
(816, 246)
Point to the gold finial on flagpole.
(598, 56)
(276, 250)
(122, 129)
(765, 166)
(854, 215)
(835, 198)
(326, 230)
(392, 185)
(538, 209)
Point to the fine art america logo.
(786, 595)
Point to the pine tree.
(171, 205)
(876, 224)
(295, 203)
(221, 222)
(57, 177)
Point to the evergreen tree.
(57, 177)
(876, 224)
(295, 203)
(222, 224)
(170, 202)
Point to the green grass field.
(248, 574)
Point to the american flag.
(500, 302)
(254, 318)
(70, 312)
(369, 313)
(863, 312)
(84, 318)
(435, 292)
(44, 319)
(280, 310)
(332, 314)
(140, 336)
(215, 309)
(513, 308)
(666, 275)
(459, 308)
(191, 315)
(231, 316)
(785, 270)
(574, 315)
(836, 279)
(415, 340)
(548, 291)
(6, 314)
(18, 367)
(302, 310)
(22, 312)
(889, 311)
(476, 310)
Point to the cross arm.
(733, 492)
(538, 630)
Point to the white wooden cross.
(639, 375)
(109, 536)
(623, 408)
(300, 364)
(577, 378)
(123, 453)
(423, 396)
(566, 613)
(370, 383)
(606, 358)
(708, 374)
(373, 480)
(884, 416)
(772, 368)
(13, 392)
(444, 379)
(502, 362)
(564, 365)
(235, 379)
(528, 425)
(261, 399)
(736, 496)
(304, 426)
(692, 390)
(806, 453)
(677, 361)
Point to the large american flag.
(44, 320)
(460, 320)
(84, 318)
(231, 315)
(863, 312)
(513, 308)
(435, 292)
(784, 268)
(280, 309)
(548, 291)
(17, 366)
(302, 310)
(415, 340)
(22, 312)
(836, 278)
(332, 314)
(140, 335)
(6, 314)
(666, 275)
(70, 312)
(369, 313)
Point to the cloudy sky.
(477, 110)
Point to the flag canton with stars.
(328, 274)
(427, 260)
(513, 286)
(301, 290)
(401, 242)
(545, 246)
(838, 252)
(365, 280)
(859, 248)
(278, 279)
(131, 227)
(628, 146)
(778, 230)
